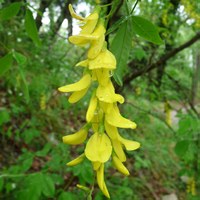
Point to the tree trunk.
(43, 5)
(195, 79)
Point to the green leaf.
(5, 63)
(67, 195)
(117, 24)
(32, 187)
(48, 187)
(31, 28)
(4, 116)
(20, 58)
(120, 47)
(45, 150)
(27, 164)
(29, 134)
(35, 185)
(139, 53)
(84, 172)
(145, 29)
(10, 11)
(181, 148)
(188, 125)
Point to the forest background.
(156, 44)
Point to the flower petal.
(111, 130)
(76, 138)
(96, 165)
(105, 191)
(83, 83)
(76, 96)
(119, 165)
(98, 117)
(91, 108)
(73, 14)
(81, 39)
(91, 22)
(100, 176)
(77, 160)
(98, 148)
(83, 63)
(97, 45)
(105, 59)
(107, 94)
(117, 146)
(102, 75)
(114, 118)
(129, 144)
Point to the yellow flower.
(83, 83)
(91, 108)
(96, 165)
(90, 32)
(76, 138)
(90, 21)
(118, 149)
(119, 165)
(77, 160)
(83, 63)
(102, 76)
(101, 182)
(103, 114)
(98, 148)
(97, 45)
(97, 118)
(130, 145)
(73, 14)
(105, 59)
(76, 96)
(79, 88)
(111, 130)
(43, 102)
(114, 118)
(107, 94)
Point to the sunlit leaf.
(145, 29)
(10, 11)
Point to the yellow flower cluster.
(103, 115)
(168, 118)
(190, 7)
(191, 186)
(43, 102)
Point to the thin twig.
(163, 59)
(137, 1)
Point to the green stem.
(137, 1)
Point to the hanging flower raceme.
(103, 115)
